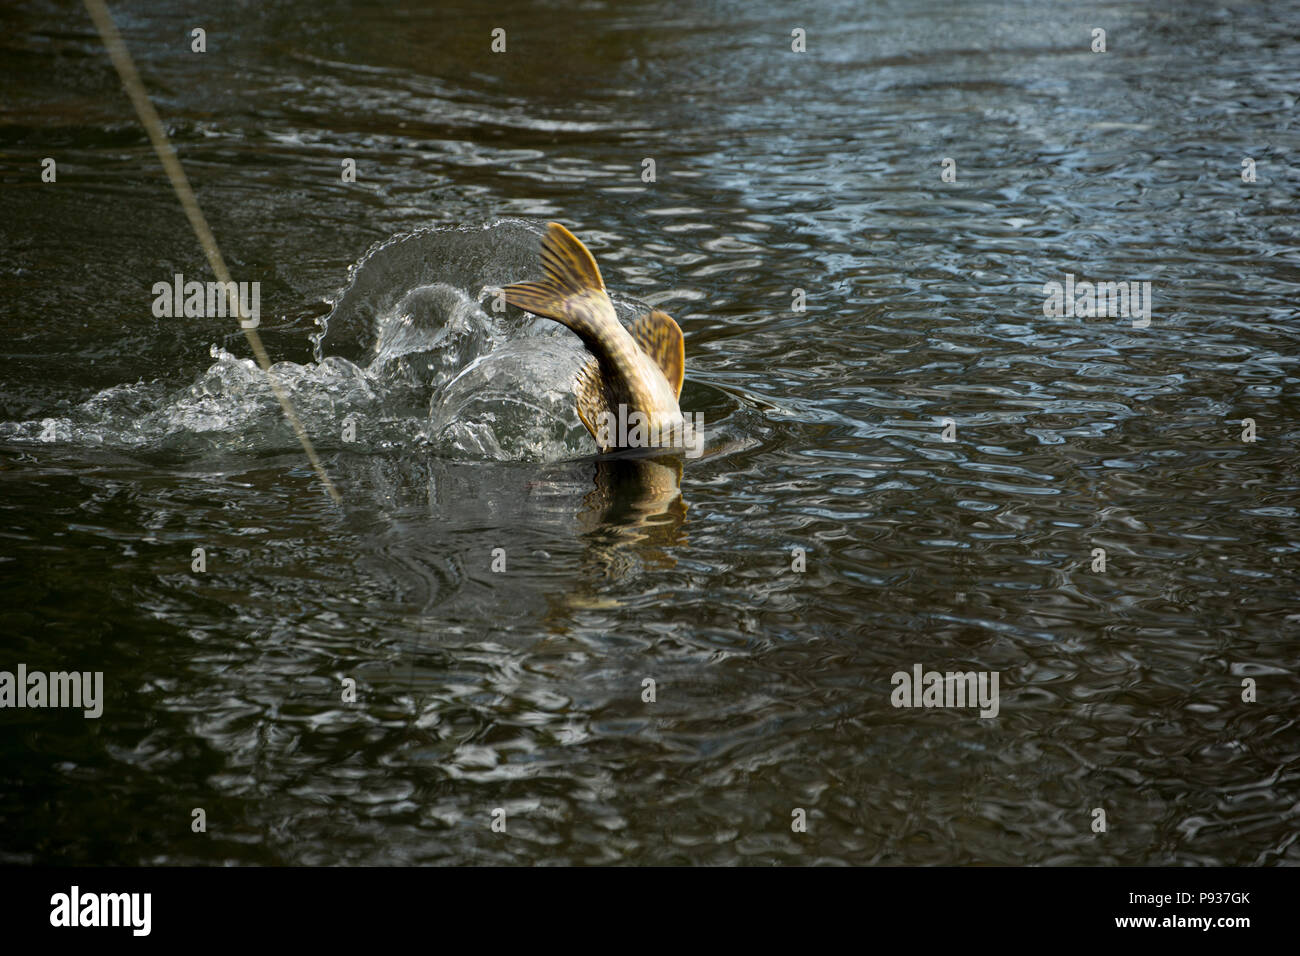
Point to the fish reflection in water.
(633, 516)
(637, 502)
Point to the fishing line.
(167, 154)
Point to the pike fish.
(631, 371)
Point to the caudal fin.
(571, 274)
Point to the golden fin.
(571, 271)
(661, 339)
(591, 398)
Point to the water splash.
(417, 351)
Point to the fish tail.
(572, 278)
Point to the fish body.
(634, 376)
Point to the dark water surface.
(129, 440)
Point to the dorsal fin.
(661, 339)
(571, 272)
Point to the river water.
(909, 463)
